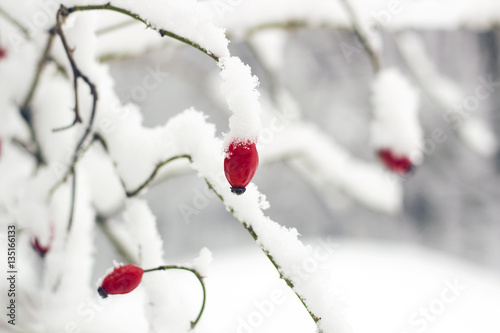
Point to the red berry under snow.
(3, 53)
(240, 165)
(397, 163)
(121, 280)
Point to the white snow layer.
(461, 111)
(395, 115)
(387, 287)
(239, 88)
(189, 19)
(149, 249)
(248, 16)
(324, 163)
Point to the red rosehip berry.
(39, 248)
(121, 280)
(3, 53)
(399, 164)
(43, 249)
(240, 165)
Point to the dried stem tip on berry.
(122, 280)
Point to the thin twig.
(23, 146)
(62, 12)
(72, 166)
(73, 197)
(115, 27)
(162, 32)
(198, 276)
(117, 243)
(15, 22)
(153, 175)
(40, 67)
(254, 235)
(25, 108)
(60, 68)
(356, 26)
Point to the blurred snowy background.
(451, 202)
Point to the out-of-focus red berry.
(399, 164)
(43, 249)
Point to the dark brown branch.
(77, 74)
(200, 279)
(61, 14)
(255, 236)
(122, 250)
(25, 108)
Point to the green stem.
(153, 175)
(115, 27)
(15, 22)
(254, 235)
(162, 32)
(198, 276)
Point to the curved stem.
(162, 32)
(198, 276)
(356, 26)
(153, 175)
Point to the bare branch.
(358, 29)
(153, 175)
(15, 22)
(198, 276)
(62, 12)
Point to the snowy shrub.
(74, 156)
